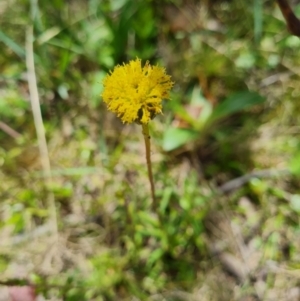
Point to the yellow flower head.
(134, 92)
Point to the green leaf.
(96, 88)
(236, 102)
(12, 45)
(148, 219)
(155, 256)
(165, 199)
(294, 165)
(175, 137)
(258, 19)
(245, 60)
(295, 202)
(3, 264)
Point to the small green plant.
(135, 94)
(197, 127)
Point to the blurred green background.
(233, 114)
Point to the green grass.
(234, 110)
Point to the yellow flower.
(134, 92)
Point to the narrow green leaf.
(235, 103)
(294, 164)
(174, 138)
(12, 45)
(155, 256)
(295, 202)
(258, 19)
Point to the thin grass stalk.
(39, 126)
(258, 20)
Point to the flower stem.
(149, 166)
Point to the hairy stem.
(149, 166)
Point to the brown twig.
(240, 181)
(9, 131)
(293, 23)
(15, 282)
